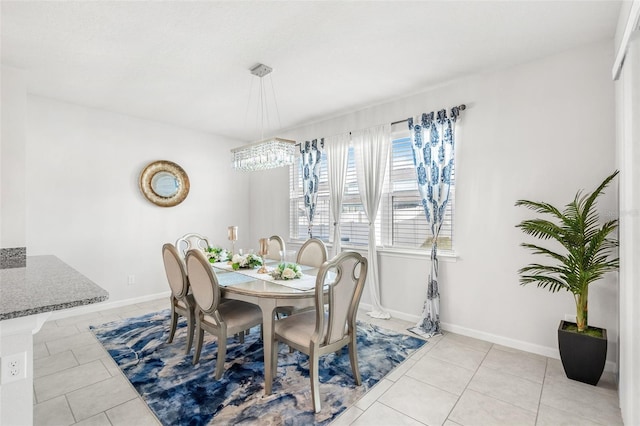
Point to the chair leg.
(353, 358)
(315, 381)
(190, 326)
(241, 337)
(200, 336)
(174, 323)
(274, 358)
(222, 354)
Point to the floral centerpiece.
(216, 254)
(287, 271)
(245, 261)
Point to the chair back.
(276, 245)
(344, 292)
(312, 253)
(203, 282)
(189, 241)
(174, 268)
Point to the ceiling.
(187, 63)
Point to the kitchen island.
(28, 295)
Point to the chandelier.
(267, 153)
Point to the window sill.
(405, 253)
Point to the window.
(354, 225)
(401, 222)
(405, 223)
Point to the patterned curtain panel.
(337, 150)
(311, 154)
(433, 144)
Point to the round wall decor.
(164, 183)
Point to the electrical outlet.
(570, 317)
(14, 367)
(131, 279)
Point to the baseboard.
(394, 314)
(549, 352)
(96, 307)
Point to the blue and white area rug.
(180, 393)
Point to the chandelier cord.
(262, 109)
(246, 111)
(275, 101)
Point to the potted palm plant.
(586, 255)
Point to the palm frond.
(591, 200)
(540, 207)
(538, 268)
(553, 284)
(541, 228)
(572, 210)
(541, 250)
(591, 220)
(599, 246)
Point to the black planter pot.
(583, 356)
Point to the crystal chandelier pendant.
(267, 153)
(264, 155)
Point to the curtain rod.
(461, 107)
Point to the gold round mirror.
(164, 183)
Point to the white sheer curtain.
(336, 149)
(371, 148)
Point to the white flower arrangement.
(216, 254)
(287, 271)
(245, 261)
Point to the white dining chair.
(312, 253)
(182, 303)
(327, 328)
(276, 247)
(220, 319)
(189, 241)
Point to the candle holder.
(264, 249)
(232, 234)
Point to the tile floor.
(453, 380)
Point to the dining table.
(267, 293)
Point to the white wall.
(12, 158)
(84, 204)
(538, 131)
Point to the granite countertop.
(45, 284)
